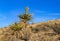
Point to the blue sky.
(42, 10)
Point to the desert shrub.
(35, 30)
(48, 24)
(40, 28)
(53, 25)
(56, 28)
(16, 26)
(50, 34)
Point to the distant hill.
(45, 31)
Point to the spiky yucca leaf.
(26, 17)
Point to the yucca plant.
(25, 18)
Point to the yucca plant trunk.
(25, 31)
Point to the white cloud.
(39, 11)
(43, 19)
(53, 14)
(45, 12)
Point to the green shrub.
(16, 26)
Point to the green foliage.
(26, 17)
(16, 26)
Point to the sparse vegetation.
(39, 32)
(46, 31)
